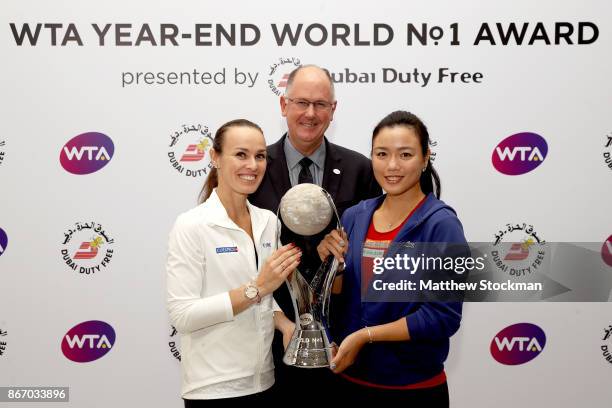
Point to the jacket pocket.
(267, 332)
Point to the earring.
(424, 168)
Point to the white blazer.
(208, 255)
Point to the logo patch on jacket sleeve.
(224, 250)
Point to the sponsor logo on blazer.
(224, 250)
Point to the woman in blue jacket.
(393, 350)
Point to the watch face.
(251, 292)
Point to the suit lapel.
(277, 168)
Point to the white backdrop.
(51, 94)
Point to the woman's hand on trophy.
(334, 243)
(348, 351)
(277, 267)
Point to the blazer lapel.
(277, 168)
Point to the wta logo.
(88, 341)
(87, 153)
(606, 250)
(3, 241)
(519, 153)
(518, 344)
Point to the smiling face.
(242, 164)
(307, 126)
(397, 159)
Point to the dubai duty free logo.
(173, 343)
(3, 340)
(519, 153)
(2, 144)
(87, 153)
(432, 153)
(518, 250)
(190, 150)
(606, 347)
(607, 153)
(87, 248)
(278, 74)
(518, 344)
(88, 341)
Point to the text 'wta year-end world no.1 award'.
(306, 210)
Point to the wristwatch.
(251, 292)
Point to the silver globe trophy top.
(307, 209)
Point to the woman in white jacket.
(221, 272)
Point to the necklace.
(398, 220)
(394, 222)
(390, 224)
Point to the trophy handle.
(329, 277)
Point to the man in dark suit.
(304, 155)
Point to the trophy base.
(308, 349)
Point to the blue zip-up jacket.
(430, 324)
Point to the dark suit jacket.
(347, 177)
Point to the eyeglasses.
(304, 104)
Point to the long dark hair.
(429, 181)
(213, 177)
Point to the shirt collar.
(219, 214)
(293, 156)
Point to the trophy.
(306, 210)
